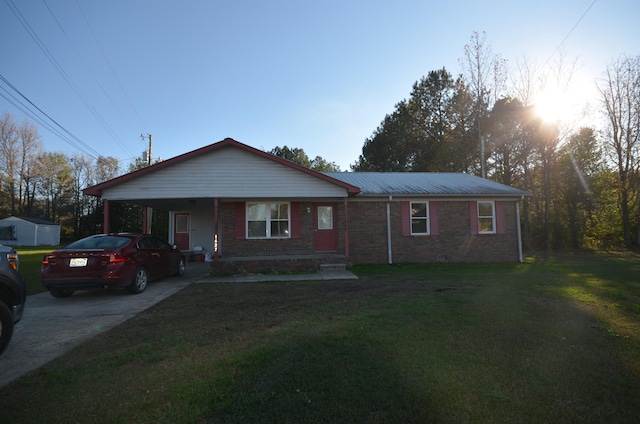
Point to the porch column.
(346, 227)
(215, 229)
(147, 213)
(105, 219)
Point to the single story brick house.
(254, 211)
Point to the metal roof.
(424, 183)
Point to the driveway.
(50, 327)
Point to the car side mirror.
(174, 247)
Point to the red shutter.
(500, 225)
(295, 219)
(240, 220)
(473, 217)
(406, 219)
(434, 221)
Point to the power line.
(77, 142)
(41, 45)
(122, 145)
(569, 34)
(106, 59)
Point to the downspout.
(518, 230)
(389, 230)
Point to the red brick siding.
(454, 243)
(368, 236)
(231, 246)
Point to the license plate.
(77, 262)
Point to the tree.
(322, 165)
(19, 148)
(30, 150)
(428, 132)
(297, 155)
(580, 163)
(393, 145)
(107, 168)
(485, 74)
(432, 105)
(506, 133)
(55, 184)
(620, 96)
(8, 162)
(81, 173)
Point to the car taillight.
(115, 258)
(47, 259)
(13, 260)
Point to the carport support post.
(346, 228)
(105, 223)
(146, 219)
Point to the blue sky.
(314, 74)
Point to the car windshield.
(100, 242)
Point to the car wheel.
(139, 282)
(6, 326)
(180, 270)
(60, 293)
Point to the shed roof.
(424, 183)
(36, 221)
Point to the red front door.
(181, 233)
(326, 235)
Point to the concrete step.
(333, 267)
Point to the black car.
(110, 260)
(13, 294)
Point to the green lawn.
(30, 263)
(551, 340)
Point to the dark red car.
(110, 260)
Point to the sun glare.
(565, 106)
(552, 105)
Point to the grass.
(30, 263)
(551, 340)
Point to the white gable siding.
(225, 173)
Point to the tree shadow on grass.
(324, 378)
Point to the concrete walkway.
(315, 276)
(51, 327)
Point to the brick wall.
(302, 245)
(454, 243)
(368, 238)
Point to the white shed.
(28, 232)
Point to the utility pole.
(149, 154)
(148, 211)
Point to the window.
(419, 218)
(486, 218)
(182, 223)
(325, 218)
(268, 220)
